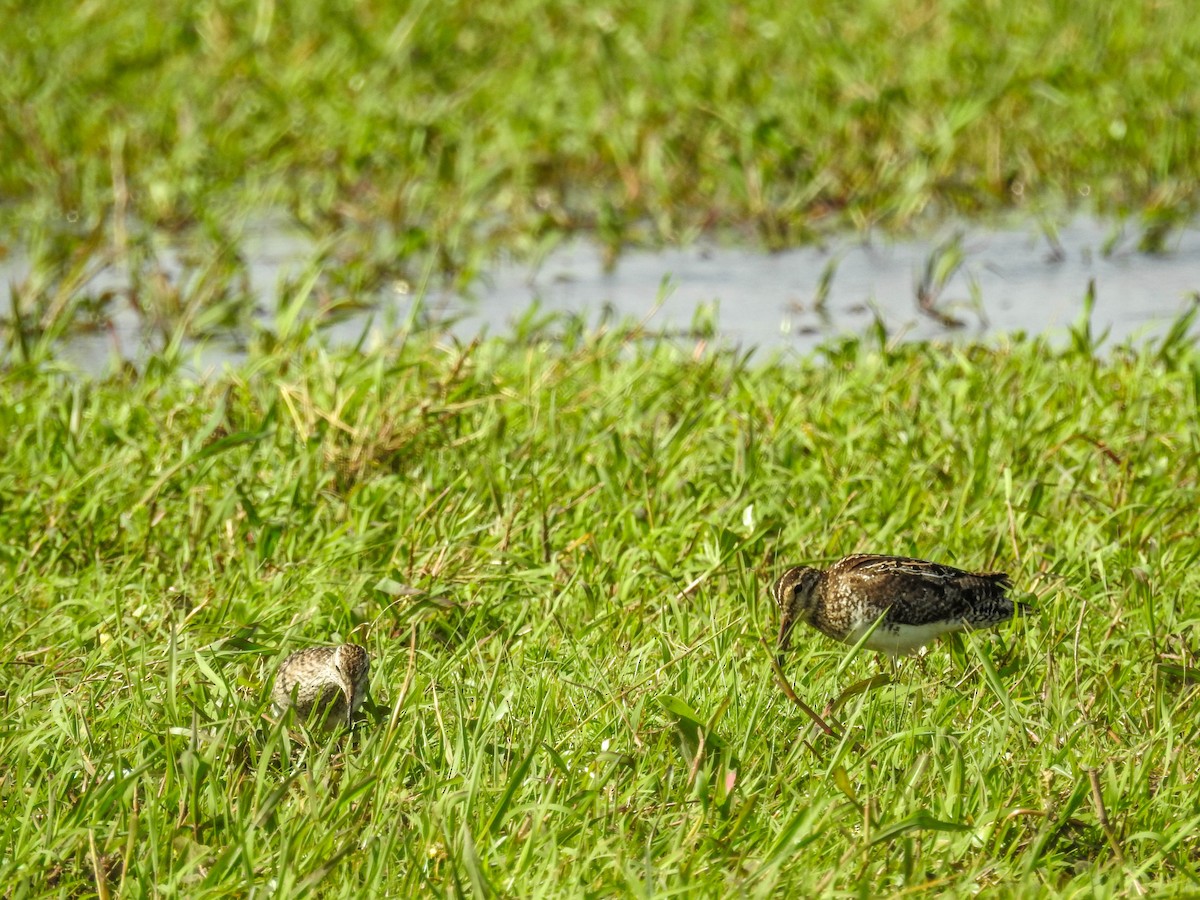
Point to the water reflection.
(1007, 281)
(975, 283)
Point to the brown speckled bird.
(325, 685)
(914, 601)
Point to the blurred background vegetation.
(456, 128)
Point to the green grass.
(445, 130)
(556, 546)
(557, 551)
(413, 143)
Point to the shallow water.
(1008, 280)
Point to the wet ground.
(964, 284)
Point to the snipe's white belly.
(902, 639)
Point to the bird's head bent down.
(795, 595)
(354, 665)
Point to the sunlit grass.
(411, 145)
(556, 549)
(556, 545)
(446, 129)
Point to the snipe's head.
(354, 666)
(795, 595)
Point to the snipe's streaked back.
(918, 601)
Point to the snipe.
(914, 601)
(325, 685)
